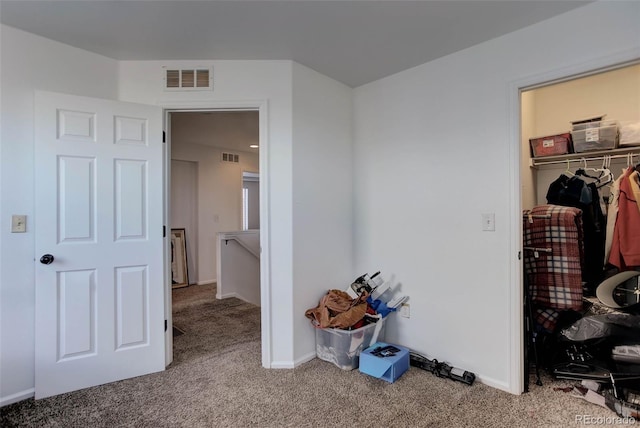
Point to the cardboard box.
(389, 367)
(343, 347)
(560, 144)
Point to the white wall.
(184, 210)
(219, 199)
(322, 196)
(432, 152)
(28, 63)
(241, 81)
(239, 266)
(615, 93)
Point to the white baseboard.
(305, 358)
(494, 383)
(310, 356)
(237, 296)
(282, 365)
(205, 282)
(227, 295)
(293, 364)
(19, 396)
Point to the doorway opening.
(547, 108)
(208, 152)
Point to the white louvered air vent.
(230, 157)
(194, 79)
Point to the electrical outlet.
(18, 223)
(404, 310)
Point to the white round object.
(605, 291)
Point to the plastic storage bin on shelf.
(552, 145)
(589, 136)
(629, 133)
(343, 347)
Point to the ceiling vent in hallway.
(230, 157)
(193, 79)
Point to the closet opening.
(580, 137)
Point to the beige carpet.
(216, 379)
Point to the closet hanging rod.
(536, 162)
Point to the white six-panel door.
(99, 210)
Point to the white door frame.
(596, 65)
(265, 237)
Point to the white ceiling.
(354, 42)
(228, 130)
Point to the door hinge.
(519, 255)
(164, 137)
(165, 325)
(164, 231)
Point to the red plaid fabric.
(547, 318)
(554, 266)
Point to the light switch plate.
(18, 223)
(489, 222)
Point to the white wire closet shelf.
(600, 155)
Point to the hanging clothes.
(625, 247)
(575, 192)
(569, 192)
(595, 236)
(612, 215)
(634, 179)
